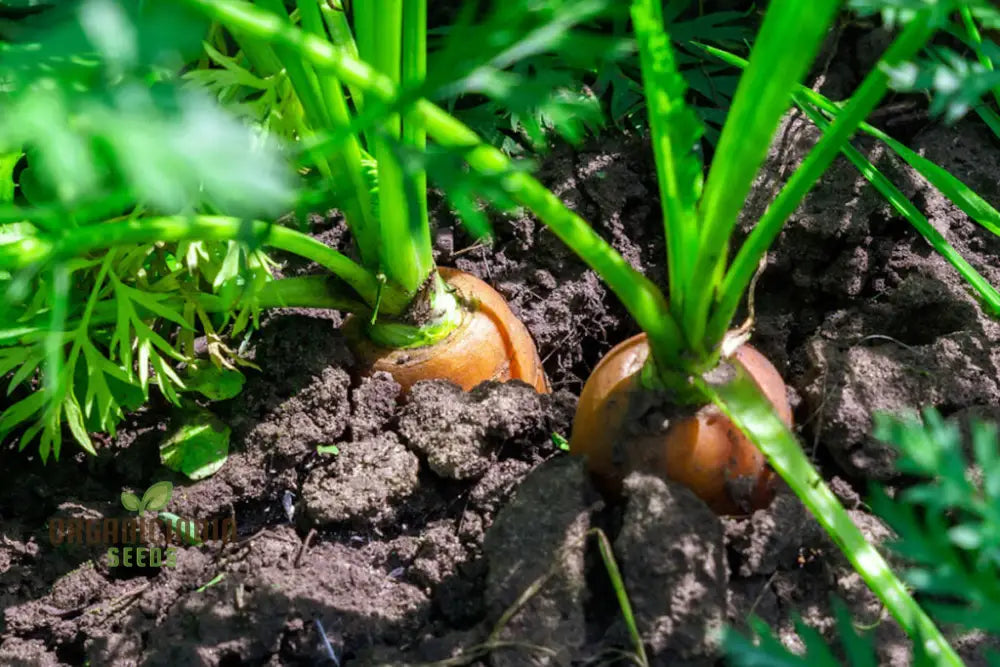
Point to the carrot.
(621, 426)
(489, 344)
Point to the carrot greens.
(136, 213)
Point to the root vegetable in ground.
(622, 426)
(489, 343)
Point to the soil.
(449, 525)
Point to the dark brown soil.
(443, 514)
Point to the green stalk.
(958, 192)
(54, 380)
(260, 56)
(638, 294)
(53, 217)
(965, 198)
(305, 84)
(446, 314)
(366, 35)
(79, 241)
(972, 32)
(414, 71)
(762, 97)
(301, 75)
(323, 109)
(364, 226)
(7, 163)
(342, 37)
(296, 292)
(741, 400)
(407, 259)
(618, 585)
(671, 123)
(868, 95)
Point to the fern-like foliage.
(125, 112)
(768, 651)
(948, 523)
(95, 128)
(901, 12)
(957, 81)
(100, 332)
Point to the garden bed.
(441, 512)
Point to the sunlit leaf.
(198, 445)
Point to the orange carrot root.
(489, 344)
(699, 447)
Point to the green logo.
(155, 498)
(141, 541)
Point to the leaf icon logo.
(130, 501)
(155, 498)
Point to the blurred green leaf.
(957, 84)
(948, 521)
(901, 12)
(768, 651)
(8, 161)
(214, 383)
(198, 445)
(78, 98)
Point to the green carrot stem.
(406, 257)
(638, 294)
(971, 203)
(414, 71)
(868, 95)
(342, 38)
(907, 209)
(762, 98)
(366, 35)
(300, 73)
(7, 163)
(259, 54)
(974, 36)
(318, 95)
(668, 118)
(446, 315)
(642, 299)
(363, 224)
(742, 401)
(76, 242)
(295, 292)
